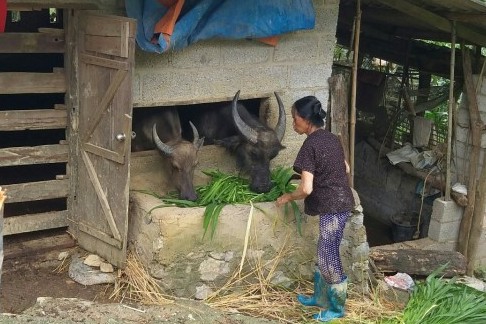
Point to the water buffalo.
(162, 130)
(253, 143)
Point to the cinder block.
(463, 117)
(446, 211)
(204, 54)
(307, 75)
(463, 134)
(297, 49)
(245, 52)
(443, 232)
(326, 18)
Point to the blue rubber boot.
(319, 298)
(337, 298)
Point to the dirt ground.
(33, 290)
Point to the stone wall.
(462, 151)
(170, 241)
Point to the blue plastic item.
(226, 19)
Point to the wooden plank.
(418, 262)
(35, 222)
(100, 61)
(33, 155)
(34, 247)
(60, 4)
(14, 120)
(31, 43)
(96, 26)
(30, 82)
(51, 31)
(435, 20)
(40, 190)
(109, 45)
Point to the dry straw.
(252, 292)
(135, 284)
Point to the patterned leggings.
(331, 227)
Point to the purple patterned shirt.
(322, 155)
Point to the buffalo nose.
(261, 188)
(192, 196)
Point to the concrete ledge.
(170, 243)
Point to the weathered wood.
(14, 120)
(435, 20)
(475, 126)
(339, 110)
(60, 4)
(30, 82)
(71, 64)
(34, 247)
(33, 155)
(31, 43)
(40, 190)
(35, 222)
(101, 204)
(418, 262)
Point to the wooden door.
(106, 56)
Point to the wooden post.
(352, 121)
(450, 114)
(2, 200)
(476, 127)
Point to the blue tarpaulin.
(175, 24)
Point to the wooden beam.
(28, 155)
(60, 4)
(34, 191)
(31, 43)
(27, 82)
(15, 120)
(34, 222)
(475, 125)
(417, 261)
(435, 20)
(37, 246)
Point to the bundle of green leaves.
(224, 189)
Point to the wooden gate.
(100, 202)
(27, 123)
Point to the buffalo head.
(256, 144)
(182, 157)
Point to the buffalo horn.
(164, 148)
(281, 123)
(249, 133)
(195, 133)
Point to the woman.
(324, 186)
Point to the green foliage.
(437, 301)
(224, 189)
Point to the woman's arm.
(303, 190)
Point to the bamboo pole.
(352, 122)
(450, 113)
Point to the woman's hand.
(283, 199)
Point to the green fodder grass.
(440, 301)
(224, 189)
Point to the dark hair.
(310, 109)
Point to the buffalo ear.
(230, 143)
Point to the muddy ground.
(35, 290)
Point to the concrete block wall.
(214, 70)
(461, 156)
